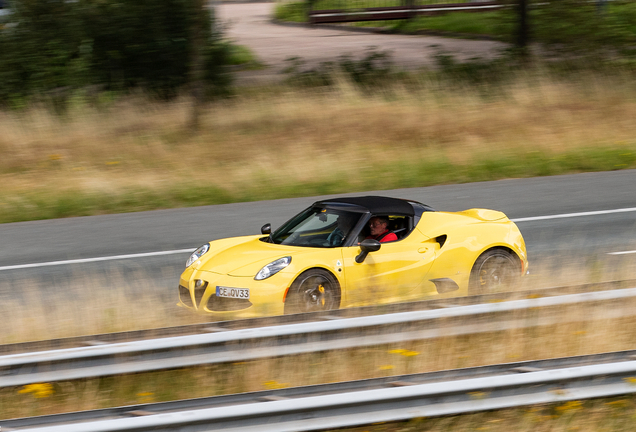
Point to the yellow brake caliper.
(482, 275)
(321, 289)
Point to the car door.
(393, 273)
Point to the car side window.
(400, 226)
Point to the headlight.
(197, 254)
(272, 268)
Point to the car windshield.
(317, 227)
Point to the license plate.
(238, 293)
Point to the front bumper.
(266, 296)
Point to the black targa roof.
(374, 204)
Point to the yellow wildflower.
(146, 397)
(630, 380)
(273, 385)
(404, 352)
(569, 406)
(40, 390)
(621, 403)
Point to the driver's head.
(378, 225)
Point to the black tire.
(494, 271)
(312, 291)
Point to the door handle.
(423, 250)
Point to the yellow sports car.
(346, 252)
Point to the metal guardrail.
(396, 12)
(363, 402)
(254, 343)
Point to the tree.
(522, 26)
(199, 24)
(116, 45)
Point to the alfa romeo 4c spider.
(346, 252)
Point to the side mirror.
(368, 245)
(266, 229)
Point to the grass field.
(280, 141)
(107, 302)
(566, 339)
(107, 306)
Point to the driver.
(380, 231)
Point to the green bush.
(580, 26)
(51, 47)
(374, 68)
(294, 12)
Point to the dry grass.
(76, 310)
(88, 305)
(265, 143)
(576, 338)
(599, 415)
(95, 303)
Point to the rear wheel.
(494, 271)
(314, 290)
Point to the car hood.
(244, 256)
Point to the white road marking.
(621, 253)
(569, 215)
(88, 260)
(149, 254)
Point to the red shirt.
(387, 238)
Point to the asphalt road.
(29, 248)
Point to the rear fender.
(464, 245)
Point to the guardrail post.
(410, 5)
(310, 8)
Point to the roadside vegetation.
(107, 301)
(52, 50)
(608, 415)
(92, 124)
(572, 336)
(323, 134)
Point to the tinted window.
(317, 227)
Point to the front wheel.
(314, 290)
(494, 271)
